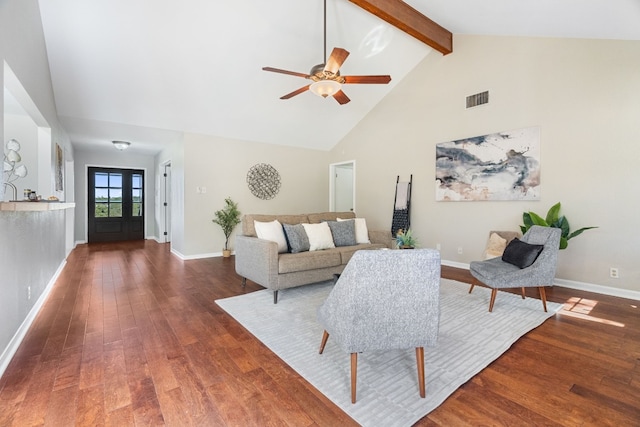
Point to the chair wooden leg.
(354, 374)
(325, 337)
(471, 288)
(523, 296)
(420, 362)
(494, 291)
(543, 297)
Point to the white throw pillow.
(272, 231)
(362, 233)
(319, 235)
(495, 246)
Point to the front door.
(116, 204)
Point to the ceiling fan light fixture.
(325, 88)
(121, 145)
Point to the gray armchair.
(385, 299)
(498, 274)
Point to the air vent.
(478, 99)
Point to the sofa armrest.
(382, 237)
(257, 260)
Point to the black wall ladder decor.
(401, 206)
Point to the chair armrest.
(382, 237)
(257, 260)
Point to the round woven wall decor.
(263, 181)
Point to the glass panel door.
(115, 204)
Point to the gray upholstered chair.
(499, 274)
(385, 299)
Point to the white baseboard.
(572, 284)
(455, 264)
(80, 242)
(198, 256)
(17, 338)
(599, 289)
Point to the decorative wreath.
(263, 181)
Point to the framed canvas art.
(497, 166)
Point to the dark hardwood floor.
(131, 335)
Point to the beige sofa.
(259, 261)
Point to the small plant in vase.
(227, 218)
(405, 239)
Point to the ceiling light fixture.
(325, 88)
(326, 77)
(121, 145)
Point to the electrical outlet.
(28, 293)
(438, 246)
(459, 250)
(203, 190)
(613, 273)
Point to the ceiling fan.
(326, 77)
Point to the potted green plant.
(553, 219)
(405, 239)
(227, 218)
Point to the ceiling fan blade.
(335, 61)
(367, 79)
(296, 92)
(341, 97)
(291, 73)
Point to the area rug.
(470, 338)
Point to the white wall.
(221, 165)
(33, 243)
(112, 158)
(584, 96)
(23, 129)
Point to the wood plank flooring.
(131, 335)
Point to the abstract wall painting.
(498, 166)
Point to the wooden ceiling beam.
(412, 22)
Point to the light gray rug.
(470, 338)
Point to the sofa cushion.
(343, 232)
(362, 233)
(319, 236)
(272, 231)
(296, 238)
(290, 263)
(248, 228)
(315, 218)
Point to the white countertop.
(35, 206)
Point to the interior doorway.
(342, 191)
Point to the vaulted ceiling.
(147, 70)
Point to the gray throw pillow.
(343, 232)
(296, 238)
(521, 254)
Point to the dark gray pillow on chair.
(296, 238)
(521, 254)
